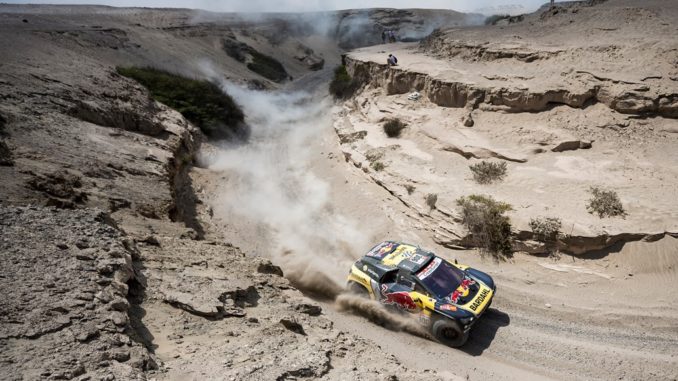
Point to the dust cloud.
(378, 314)
(270, 182)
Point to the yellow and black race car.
(448, 298)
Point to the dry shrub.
(490, 228)
(410, 188)
(546, 229)
(343, 85)
(431, 200)
(605, 203)
(393, 127)
(487, 172)
(378, 166)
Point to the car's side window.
(404, 280)
(408, 284)
(389, 277)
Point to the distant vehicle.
(449, 298)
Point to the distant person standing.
(392, 36)
(552, 3)
(383, 36)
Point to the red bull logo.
(462, 290)
(401, 299)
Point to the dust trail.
(378, 314)
(269, 182)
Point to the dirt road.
(607, 316)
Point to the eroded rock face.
(120, 114)
(504, 97)
(66, 275)
(62, 189)
(579, 65)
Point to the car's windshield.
(440, 277)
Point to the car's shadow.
(484, 331)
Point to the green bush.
(605, 203)
(236, 50)
(201, 102)
(342, 85)
(267, 66)
(393, 127)
(546, 229)
(487, 172)
(490, 229)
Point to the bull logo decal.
(401, 299)
(462, 290)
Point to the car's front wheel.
(449, 333)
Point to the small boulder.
(269, 268)
(571, 145)
(309, 309)
(293, 326)
(467, 120)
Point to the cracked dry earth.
(64, 305)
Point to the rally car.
(448, 297)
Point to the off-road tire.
(449, 333)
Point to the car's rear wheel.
(449, 333)
(357, 289)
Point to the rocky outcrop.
(482, 153)
(451, 93)
(308, 57)
(484, 51)
(571, 145)
(65, 281)
(61, 189)
(527, 242)
(130, 115)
